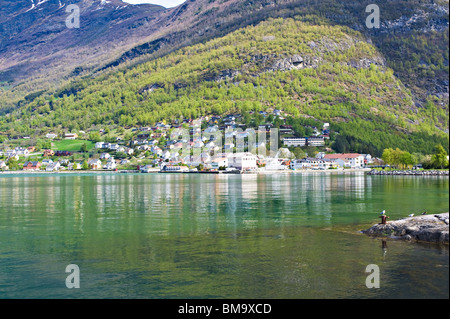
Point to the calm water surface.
(215, 236)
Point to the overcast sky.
(164, 3)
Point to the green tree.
(388, 156)
(95, 137)
(84, 148)
(85, 165)
(298, 152)
(13, 164)
(439, 157)
(406, 159)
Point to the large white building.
(294, 141)
(242, 161)
(352, 160)
(316, 141)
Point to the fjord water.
(216, 236)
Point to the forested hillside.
(378, 88)
(302, 66)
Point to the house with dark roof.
(31, 165)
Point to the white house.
(95, 164)
(351, 160)
(166, 155)
(22, 151)
(74, 166)
(70, 136)
(51, 136)
(111, 164)
(294, 141)
(316, 141)
(242, 161)
(53, 167)
(46, 162)
(114, 147)
(3, 165)
(105, 156)
(219, 162)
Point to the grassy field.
(71, 145)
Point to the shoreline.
(366, 171)
(287, 171)
(374, 172)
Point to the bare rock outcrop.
(427, 228)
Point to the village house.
(46, 162)
(174, 169)
(114, 147)
(350, 160)
(53, 167)
(51, 136)
(316, 141)
(242, 161)
(219, 162)
(315, 163)
(111, 164)
(63, 153)
(124, 162)
(95, 164)
(74, 166)
(31, 165)
(3, 166)
(294, 141)
(105, 156)
(70, 136)
(22, 151)
(146, 169)
(48, 153)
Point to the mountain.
(133, 65)
(33, 34)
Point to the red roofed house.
(31, 165)
(352, 160)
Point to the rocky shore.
(410, 172)
(428, 228)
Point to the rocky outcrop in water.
(427, 228)
(410, 172)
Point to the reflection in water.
(209, 202)
(206, 236)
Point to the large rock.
(428, 228)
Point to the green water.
(215, 236)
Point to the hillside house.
(3, 166)
(53, 167)
(316, 141)
(294, 141)
(31, 165)
(95, 164)
(51, 136)
(71, 136)
(48, 153)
